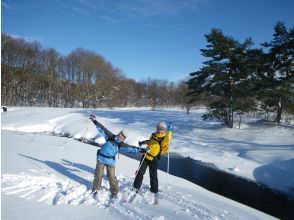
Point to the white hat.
(124, 133)
(162, 125)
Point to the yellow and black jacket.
(158, 145)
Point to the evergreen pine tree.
(224, 77)
(277, 78)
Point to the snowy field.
(46, 176)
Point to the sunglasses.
(160, 129)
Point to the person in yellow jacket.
(158, 145)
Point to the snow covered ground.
(44, 176)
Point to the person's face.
(120, 137)
(160, 130)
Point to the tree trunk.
(279, 113)
(231, 113)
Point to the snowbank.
(45, 176)
(58, 171)
(251, 152)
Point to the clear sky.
(145, 38)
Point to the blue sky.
(159, 39)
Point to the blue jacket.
(112, 146)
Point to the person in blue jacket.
(106, 156)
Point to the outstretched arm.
(105, 132)
(126, 148)
(140, 143)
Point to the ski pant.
(153, 175)
(111, 177)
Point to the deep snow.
(43, 174)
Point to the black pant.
(153, 175)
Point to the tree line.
(34, 76)
(236, 78)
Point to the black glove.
(140, 143)
(92, 117)
(142, 150)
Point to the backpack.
(157, 157)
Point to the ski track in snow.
(53, 190)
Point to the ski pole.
(85, 135)
(168, 162)
(168, 150)
(87, 129)
(82, 142)
(136, 173)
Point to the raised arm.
(105, 132)
(167, 139)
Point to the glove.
(144, 150)
(140, 143)
(170, 127)
(92, 117)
